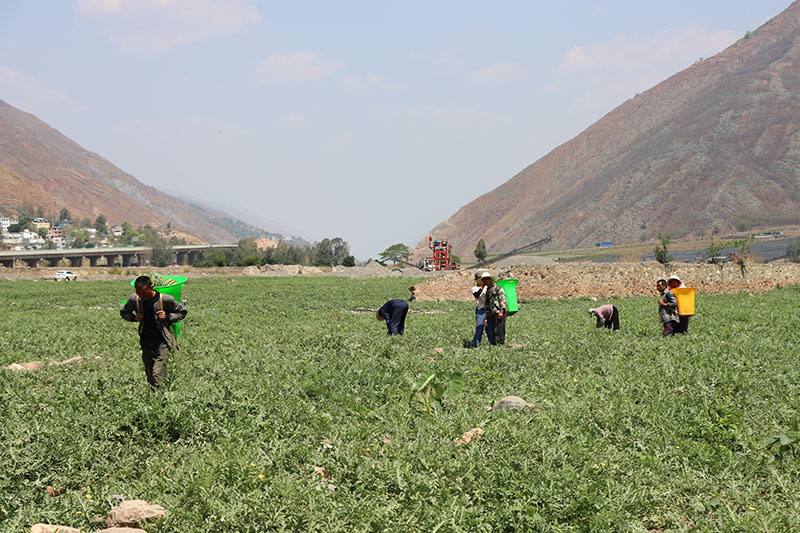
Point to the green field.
(276, 376)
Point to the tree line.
(327, 252)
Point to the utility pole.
(54, 211)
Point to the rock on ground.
(132, 513)
(52, 528)
(513, 403)
(122, 530)
(469, 435)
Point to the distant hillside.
(38, 163)
(717, 144)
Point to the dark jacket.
(668, 313)
(174, 309)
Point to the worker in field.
(667, 309)
(394, 313)
(496, 310)
(155, 312)
(607, 316)
(479, 292)
(674, 282)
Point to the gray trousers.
(155, 363)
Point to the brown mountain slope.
(714, 144)
(38, 163)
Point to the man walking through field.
(155, 312)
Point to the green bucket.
(175, 292)
(510, 287)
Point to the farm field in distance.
(286, 410)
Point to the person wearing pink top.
(607, 315)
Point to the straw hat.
(487, 275)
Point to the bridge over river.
(185, 254)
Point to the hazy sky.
(372, 121)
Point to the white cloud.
(141, 27)
(298, 66)
(630, 53)
(497, 73)
(362, 83)
(32, 95)
(447, 62)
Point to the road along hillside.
(604, 280)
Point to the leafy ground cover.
(287, 411)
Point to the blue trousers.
(480, 314)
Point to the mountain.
(37, 163)
(717, 144)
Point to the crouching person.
(155, 312)
(394, 313)
(607, 316)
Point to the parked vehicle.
(65, 275)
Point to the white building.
(5, 222)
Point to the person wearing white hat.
(606, 315)
(674, 282)
(496, 309)
(479, 292)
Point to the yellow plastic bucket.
(685, 297)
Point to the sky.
(367, 120)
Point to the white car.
(66, 275)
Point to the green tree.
(713, 250)
(100, 224)
(793, 251)
(480, 250)
(742, 247)
(40, 212)
(330, 252)
(395, 253)
(85, 223)
(349, 261)
(64, 214)
(79, 236)
(161, 254)
(42, 233)
(662, 251)
(247, 253)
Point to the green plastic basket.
(510, 287)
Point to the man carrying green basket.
(155, 312)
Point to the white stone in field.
(52, 528)
(33, 365)
(513, 403)
(132, 513)
(14, 366)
